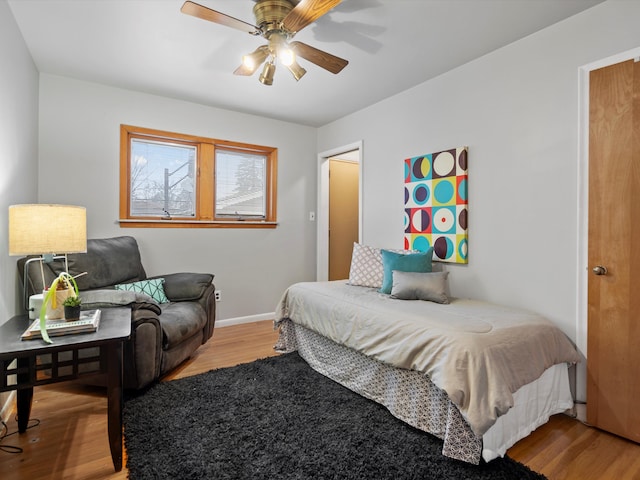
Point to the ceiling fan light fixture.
(296, 70)
(255, 59)
(277, 21)
(269, 70)
(286, 56)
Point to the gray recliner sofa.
(163, 335)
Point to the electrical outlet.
(218, 294)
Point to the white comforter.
(478, 353)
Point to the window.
(240, 184)
(162, 180)
(176, 180)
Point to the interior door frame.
(582, 306)
(322, 245)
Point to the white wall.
(18, 154)
(18, 146)
(517, 110)
(79, 164)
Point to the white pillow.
(366, 265)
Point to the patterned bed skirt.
(407, 394)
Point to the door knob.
(600, 270)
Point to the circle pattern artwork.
(436, 204)
(462, 219)
(421, 167)
(444, 164)
(462, 248)
(421, 220)
(462, 190)
(444, 220)
(421, 243)
(462, 160)
(444, 192)
(443, 248)
(421, 194)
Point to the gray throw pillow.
(431, 286)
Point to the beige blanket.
(478, 353)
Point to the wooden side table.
(68, 358)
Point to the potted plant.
(62, 287)
(72, 305)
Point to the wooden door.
(343, 216)
(613, 345)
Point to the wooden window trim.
(204, 182)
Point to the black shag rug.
(277, 418)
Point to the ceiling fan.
(277, 21)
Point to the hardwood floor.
(71, 439)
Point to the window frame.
(204, 184)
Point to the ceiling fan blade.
(191, 8)
(306, 12)
(322, 59)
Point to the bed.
(477, 375)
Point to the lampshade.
(38, 229)
(266, 77)
(252, 61)
(296, 70)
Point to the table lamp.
(50, 231)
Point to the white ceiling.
(391, 45)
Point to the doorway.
(343, 212)
(348, 210)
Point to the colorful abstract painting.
(435, 204)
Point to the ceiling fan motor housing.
(270, 13)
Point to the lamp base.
(35, 304)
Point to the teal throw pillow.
(413, 262)
(154, 288)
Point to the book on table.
(87, 323)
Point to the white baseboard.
(238, 320)
(581, 412)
